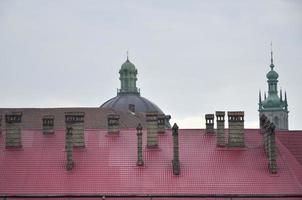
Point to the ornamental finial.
(272, 60)
(127, 55)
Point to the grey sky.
(193, 57)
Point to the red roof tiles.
(108, 166)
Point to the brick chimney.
(139, 133)
(209, 123)
(76, 121)
(175, 161)
(236, 129)
(220, 128)
(152, 129)
(113, 124)
(69, 148)
(269, 143)
(161, 122)
(48, 124)
(13, 130)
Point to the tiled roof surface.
(108, 166)
(293, 142)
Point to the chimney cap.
(209, 116)
(235, 113)
(220, 113)
(48, 117)
(74, 113)
(175, 129)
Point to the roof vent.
(76, 121)
(209, 123)
(139, 133)
(48, 124)
(69, 148)
(220, 128)
(236, 129)
(13, 130)
(175, 161)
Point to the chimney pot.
(48, 124)
(113, 123)
(152, 129)
(236, 129)
(220, 128)
(13, 130)
(76, 121)
(209, 123)
(161, 123)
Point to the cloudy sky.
(193, 57)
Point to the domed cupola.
(128, 96)
(128, 78)
(272, 75)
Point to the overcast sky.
(193, 57)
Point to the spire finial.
(272, 61)
(260, 96)
(127, 55)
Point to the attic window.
(131, 107)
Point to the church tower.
(273, 106)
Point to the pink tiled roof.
(108, 166)
(293, 142)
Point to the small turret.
(128, 78)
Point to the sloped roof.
(108, 166)
(293, 142)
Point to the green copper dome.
(272, 101)
(272, 75)
(128, 66)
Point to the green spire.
(128, 78)
(272, 60)
(272, 101)
(272, 77)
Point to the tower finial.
(272, 61)
(127, 55)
